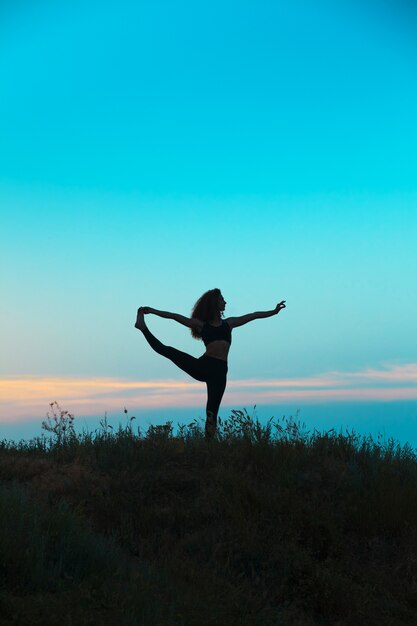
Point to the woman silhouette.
(206, 323)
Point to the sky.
(150, 151)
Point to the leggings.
(207, 369)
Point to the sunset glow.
(21, 398)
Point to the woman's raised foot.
(140, 322)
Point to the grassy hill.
(261, 526)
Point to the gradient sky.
(150, 151)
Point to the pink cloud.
(29, 396)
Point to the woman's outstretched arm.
(181, 319)
(249, 317)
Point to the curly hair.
(205, 309)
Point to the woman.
(206, 323)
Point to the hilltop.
(261, 526)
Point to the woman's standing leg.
(215, 391)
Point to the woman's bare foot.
(211, 423)
(140, 322)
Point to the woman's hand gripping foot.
(140, 322)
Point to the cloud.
(29, 397)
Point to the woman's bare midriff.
(218, 349)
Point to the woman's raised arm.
(244, 319)
(167, 314)
(181, 319)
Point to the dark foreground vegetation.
(261, 526)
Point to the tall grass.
(264, 524)
(43, 547)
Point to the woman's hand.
(280, 305)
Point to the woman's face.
(221, 303)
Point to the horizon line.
(21, 396)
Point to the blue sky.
(152, 151)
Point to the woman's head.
(208, 307)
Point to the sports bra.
(215, 333)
